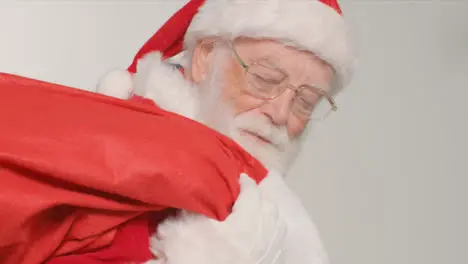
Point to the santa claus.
(260, 72)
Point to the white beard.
(279, 154)
(168, 88)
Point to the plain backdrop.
(384, 178)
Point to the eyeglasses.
(267, 83)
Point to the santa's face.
(269, 129)
(268, 142)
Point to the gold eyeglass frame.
(321, 91)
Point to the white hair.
(213, 111)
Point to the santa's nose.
(279, 109)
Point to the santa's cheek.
(296, 127)
(239, 101)
(248, 102)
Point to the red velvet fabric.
(79, 173)
(169, 39)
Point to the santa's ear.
(202, 59)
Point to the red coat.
(81, 172)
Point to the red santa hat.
(313, 25)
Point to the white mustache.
(261, 126)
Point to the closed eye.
(267, 80)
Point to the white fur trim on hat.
(163, 83)
(305, 24)
(116, 83)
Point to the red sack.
(75, 166)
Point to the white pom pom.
(116, 83)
